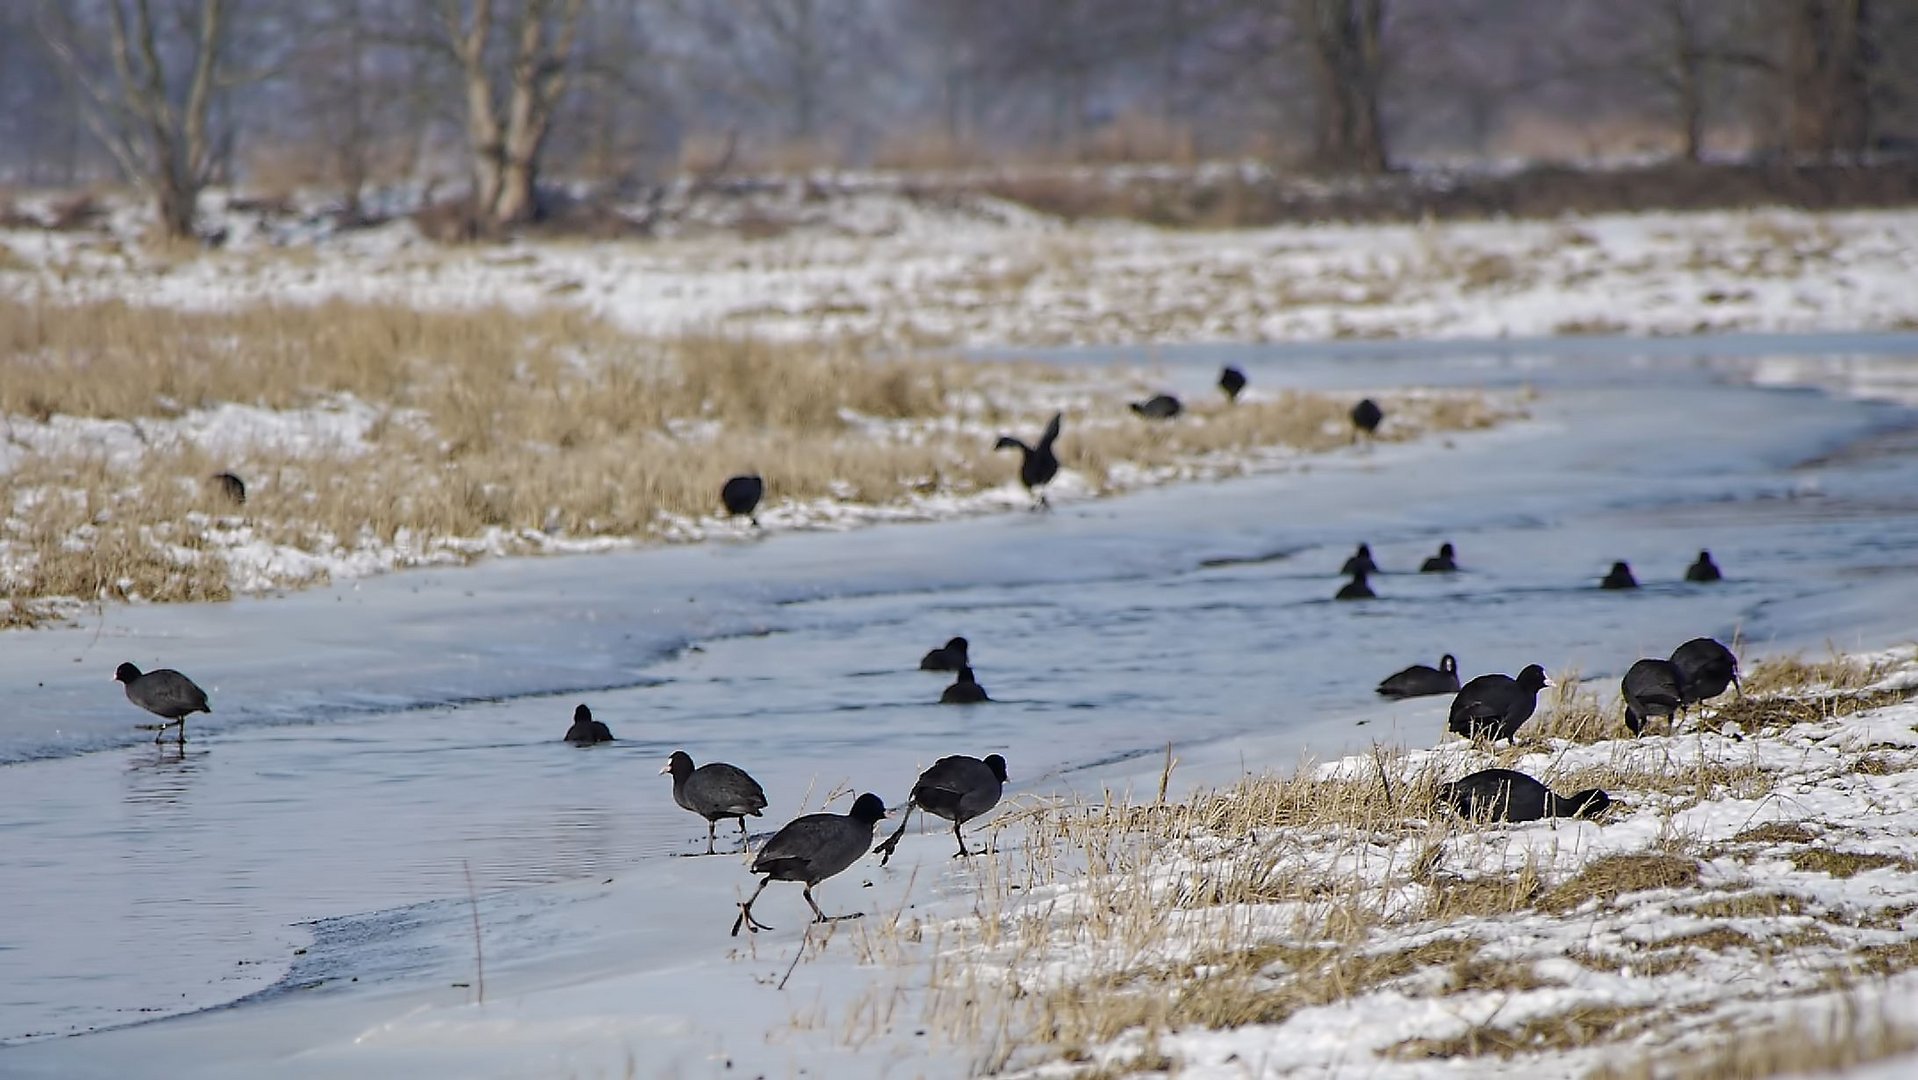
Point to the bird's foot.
(746, 919)
(885, 850)
(839, 918)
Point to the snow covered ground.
(885, 267)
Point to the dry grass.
(1609, 877)
(1279, 895)
(1781, 674)
(491, 430)
(1580, 1026)
(1792, 1047)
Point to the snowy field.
(375, 741)
(975, 271)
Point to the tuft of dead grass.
(1791, 1047)
(1576, 1027)
(1780, 674)
(1609, 877)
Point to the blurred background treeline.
(505, 105)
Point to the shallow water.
(374, 744)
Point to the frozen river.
(374, 742)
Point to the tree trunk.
(1344, 37)
(1828, 105)
(505, 152)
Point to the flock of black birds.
(1360, 568)
(811, 848)
(1493, 707)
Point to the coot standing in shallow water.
(1232, 381)
(1360, 562)
(741, 495)
(231, 486)
(166, 694)
(966, 691)
(1651, 688)
(1443, 563)
(1620, 578)
(1420, 680)
(1705, 668)
(1366, 417)
(811, 849)
(715, 791)
(1356, 589)
(1506, 795)
(1037, 464)
(585, 730)
(957, 788)
(1704, 569)
(948, 657)
(1494, 707)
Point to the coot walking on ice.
(166, 694)
(957, 788)
(715, 790)
(811, 849)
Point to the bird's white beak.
(666, 769)
(1548, 683)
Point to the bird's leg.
(962, 853)
(746, 911)
(822, 916)
(712, 829)
(182, 731)
(891, 844)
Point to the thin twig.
(797, 953)
(479, 957)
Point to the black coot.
(1705, 668)
(1505, 795)
(585, 730)
(1366, 417)
(1496, 706)
(714, 791)
(1037, 465)
(966, 691)
(1620, 578)
(1444, 562)
(957, 788)
(1651, 688)
(1360, 562)
(948, 657)
(1232, 381)
(166, 694)
(1158, 407)
(741, 495)
(1356, 589)
(811, 849)
(1704, 569)
(1420, 680)
(231, 486)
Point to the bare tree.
(152, 105)
(510, 106)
